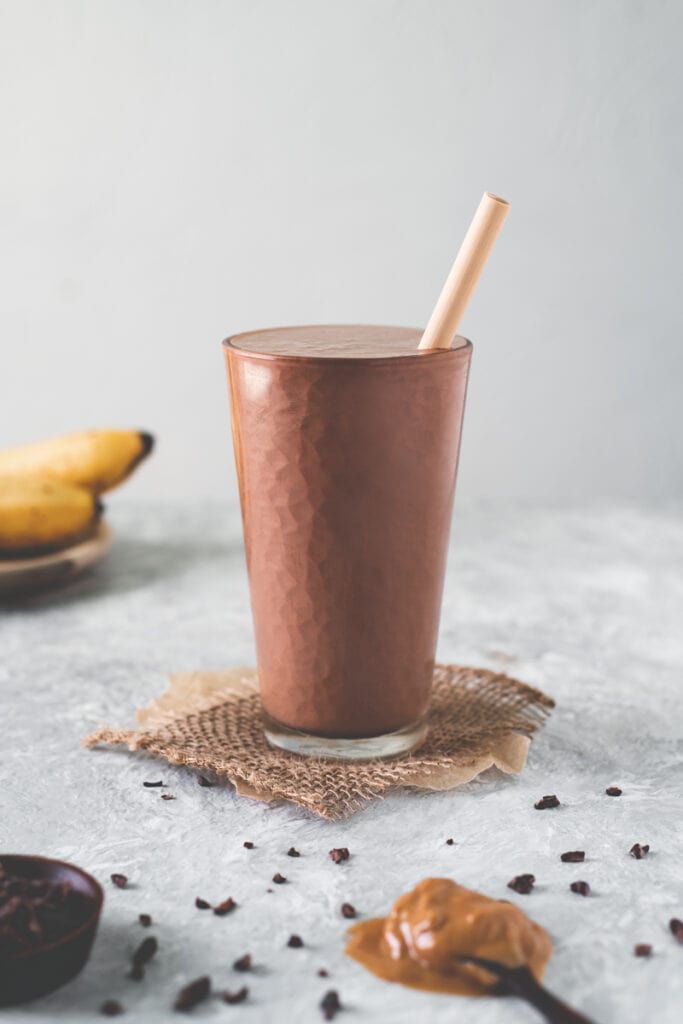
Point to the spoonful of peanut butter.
(429, 930)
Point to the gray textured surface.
(586, 604)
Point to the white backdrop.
(172, 171)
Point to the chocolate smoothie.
(346, 444)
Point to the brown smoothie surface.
(335, 341)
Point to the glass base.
(365, 748)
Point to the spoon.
(520, 982)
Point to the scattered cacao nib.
(225, 907)
(196, 992)
(639, 851)
(522, 884)
(613, 791)
(546, 802)
(243, 963)
(330, 1005)
(582, 888)
(143, 954)
(111, 1008)
(34, 911)
(120, 881)
(167, 796)
(203, 781)
(295, 942)
(573, 856)
(153, 785)
(322, 973)
(291, 852)
(643, 949)
(348, 910)
(247, 845)
(339, 855)
(136, 973)
(450, 842)
(201, 904)
(236, 997)
(676, 928)
(145, 920)
(279, 879)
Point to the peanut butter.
(428, 929)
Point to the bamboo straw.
(465, 272)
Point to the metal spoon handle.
(523, 984)
(520, 982)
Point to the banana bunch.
(49, 491)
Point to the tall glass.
(346, 444)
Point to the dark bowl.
(34, 972)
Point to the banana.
(95, 459)
(38, 514)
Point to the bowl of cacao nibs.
(49, 912)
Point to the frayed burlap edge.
(212, 721)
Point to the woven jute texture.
(212, 721)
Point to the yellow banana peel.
(38, 514)
(94, 459)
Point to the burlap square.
(212, 720)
